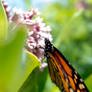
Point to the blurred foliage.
(27, 3)
(72, 35)
(3, 23)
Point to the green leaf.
(3, 23)
(10, 60)
(35, 82)
(31, 63)
(89, 83)
(16, 64)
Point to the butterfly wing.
(54, 73)
(74, 80)
(62, 73)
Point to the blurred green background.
(71, 23)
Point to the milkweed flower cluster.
(37, 30)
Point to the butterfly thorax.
(48, 48)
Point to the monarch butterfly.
(61, 72)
